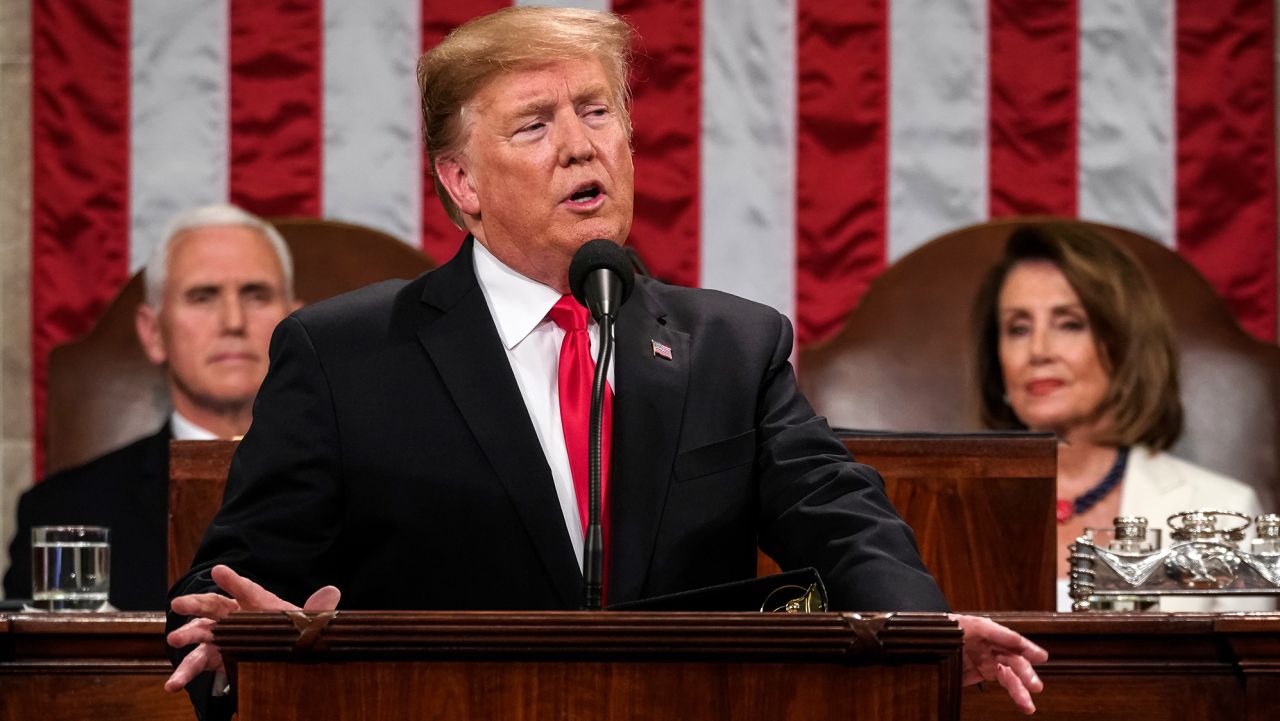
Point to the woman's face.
(1053, 374)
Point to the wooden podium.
(603, 666)
(982, 508)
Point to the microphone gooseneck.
(601, 279)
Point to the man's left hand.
(992, 651)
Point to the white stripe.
(748, 150)
(937, 119)
(584, 4)
(372, 146)
(178, 114)
(1126, 138)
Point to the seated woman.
(1073, 339)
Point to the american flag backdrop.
(786, 150)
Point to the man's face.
(546, 166)
(223, 296)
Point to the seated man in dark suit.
(216, 287)
(420, 444)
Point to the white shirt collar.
(185, 430)
(517, 304)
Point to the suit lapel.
(463, 344)
(648, 411)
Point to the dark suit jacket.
(126, 490)
(392, 456)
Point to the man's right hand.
(209, 608)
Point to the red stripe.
(79, 174)
(277, 114)
(667, 89)
(1226, 153)
(842, 154)
(440, 237)
(1033, 96)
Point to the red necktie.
(576, 373)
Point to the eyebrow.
(201, 288)
(533, 108)
(246, 287)
(541, 106)
(256, 285)
(1055, 309)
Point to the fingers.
(1022, 668)
(205, 657)
(251, 596)
(198, 630)
(204, 605)
(209, 608)
(985, 640)
(1019, 693)
(993, 651)
(972, 672)
(1033, 652)
(325, 599)
(998, 635)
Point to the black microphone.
(601, 279)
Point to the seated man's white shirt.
(184, 430)
(519, 307)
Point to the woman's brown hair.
(1129, 325)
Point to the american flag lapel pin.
(661, 350)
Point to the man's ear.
(459, 182)
(146, 321)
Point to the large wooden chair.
(904, 361)
(104, 393)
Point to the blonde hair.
(451, 73)
(1130, 326)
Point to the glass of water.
(70, 567)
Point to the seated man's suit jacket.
(391, 455)
(126, 490)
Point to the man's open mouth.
(585, 194)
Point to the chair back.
(103, 393)
(905, 359)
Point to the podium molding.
(604, 666)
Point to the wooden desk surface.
(66, 667)
(1146, 666)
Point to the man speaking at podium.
(421, 444)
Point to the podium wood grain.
(197, 477)
(77, 667)
(607, 666)
(1154, 667)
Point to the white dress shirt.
(519, 307)
(184, 430)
